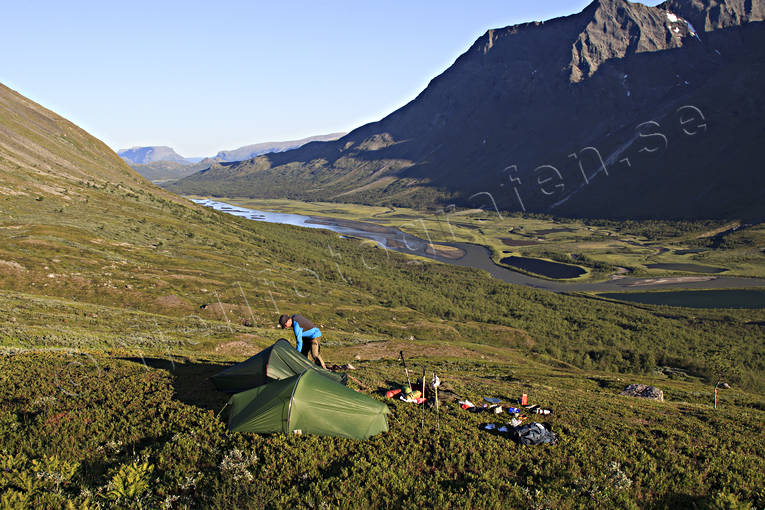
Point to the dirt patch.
(10, 265)
(12, 192)
(394, 244)
(171, 301)
(194, 278)
(52, 191)
(238, 348)
(110, 243)
(449, 252)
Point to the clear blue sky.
(204, 76)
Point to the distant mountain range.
(251, 151)
(160, 163)
(622, 110)
(145, 155)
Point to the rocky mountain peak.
(617, 28)
(708, 15)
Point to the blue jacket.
(300, 334)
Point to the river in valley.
(479, 257)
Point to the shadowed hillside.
(621, 111)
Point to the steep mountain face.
(622, 110)
(146, 155)
(716, 14)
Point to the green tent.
(308, 403)
(274, 363)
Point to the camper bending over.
(306, 336)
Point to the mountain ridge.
(24, 124)
(256, 149)
(161, 163)
(526, 96)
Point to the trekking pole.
(436, 384)
(424, 401)
(405, 369)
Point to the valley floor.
(605, 250)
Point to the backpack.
(533, 433)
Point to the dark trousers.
(312, 346)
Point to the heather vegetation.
(116, 431)
(106, 402)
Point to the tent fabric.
(308, 403)
(273, 363)
(264, 408)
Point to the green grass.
(136, 434)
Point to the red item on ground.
(524, 399)
(392, 393)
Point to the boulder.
(643, 391)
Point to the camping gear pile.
(492, 404)
(279, 390)
(528, 434)
(412, 395)
(408, 393)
